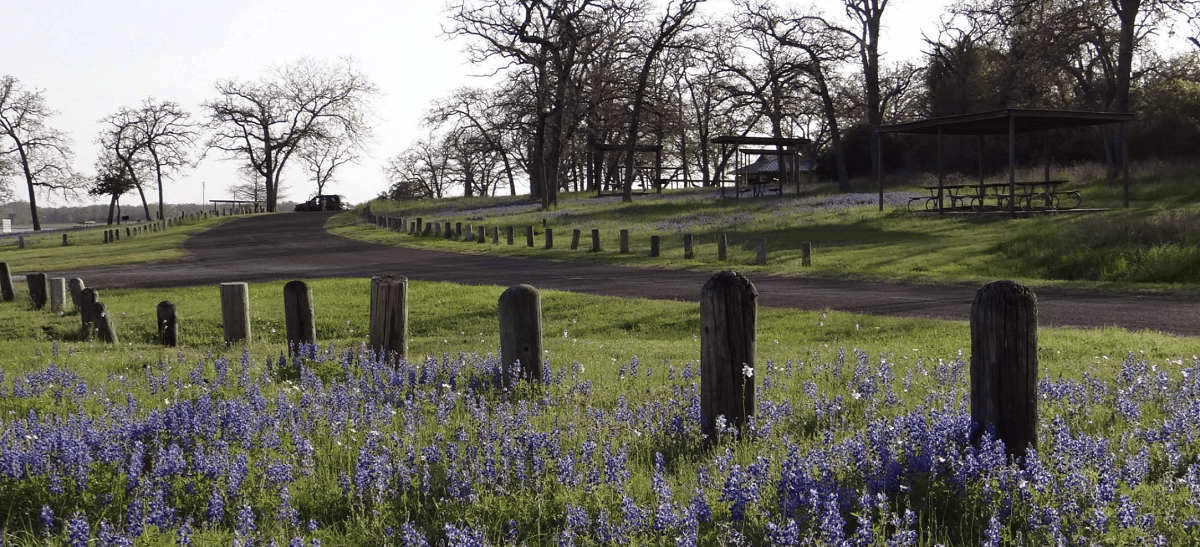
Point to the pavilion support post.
(1012, 166)
(878, 174)
(941, 173)
(1125, 160)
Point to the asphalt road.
(294, 246)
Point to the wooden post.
(420, 223)
(762, 252)
(449, 234)
(87, 306)
(479, 237)
(529, 236)
(168, 324)
(437, 229)
(595, 240)
(624, 245)
(722, 247)
(549, 238)
(107, 233)
(58, 294)
(235, 312)
(457, 230)
(65, 242)
(298, 316)
(470, 233)
(389, 316)
(655, 245)
(521, 332)
(1004, 364)
(806, 254)
(20, 242)
(39, 289)
(688, 252)
(495, 235)
(75, 285)
(6, 287)
(728, 317)
(509, 233)
(104, 327)
(575, 239)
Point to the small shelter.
(598, 152)
(1008, 121)
(778, 162)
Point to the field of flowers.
(338, 447)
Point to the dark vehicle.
(331, 202)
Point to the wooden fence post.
(298, 316)
(623, 238)
(449, 234)
(655, 246)
(728, 317)
(509, 234)
(65, 242)
(20, 242)
(529, 236)
(457, 230)
(806, 254)
(1004, 364)
(75, 285)
(470, 233)
(389, 316)
(549, 238)
(595, 240)
(39, 289)
(688, 252)
(575, 239)
(722, 247)
(104, 327)
(495, 235)
(168, 324)
(235, 312)
(6, 287)
(521, 332)
(87, 306)
(58, 294)
(762, 252)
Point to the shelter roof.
(760, 141)
(996, 122)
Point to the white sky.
(94, 56)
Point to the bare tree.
(114, 180)
(167, 137)
(41, 154)
(485, 114)
(265, 122)
(419, 172)
(253, 188)
(123, 149)
(322, 157)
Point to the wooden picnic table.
(976, 196)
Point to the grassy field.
(1149, 247)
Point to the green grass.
(1149, 247)
(86, 247)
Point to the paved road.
(293, 246)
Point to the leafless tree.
(419, 172)
(41, 154)
(264, 123)
(484, 115)
(253, 187)
(167, 137)
(322, 157)
(122, 156)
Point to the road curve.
(294, 246)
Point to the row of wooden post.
(477, 234)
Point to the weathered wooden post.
(104, 327)
(575, 239)
(437, 229)
(20, 242)
(58, 294)
(75, 285)
(549, 238)
(389, 316)
(1004, 364)
(479, 236)
(298, 314)
(107, 233)
(6, 287)
(116, 235)
(655, 246)
(168, 324)
(470, 233)
(39, 289)
(595, 240)
(806, 254)
(419, 227)
(449, 234)
(235, 312)
(87, 307)
(521, 333)
(509, 234)
(762, 252)
(495, 235)
(623, 245)
(65, 242)
(728, 317)
(688, 252)
(457, 230)
(722, 247)
(529, 236)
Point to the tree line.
(309, 112)
(573, 74)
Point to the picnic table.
(976, 196)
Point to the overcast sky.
(94, 56)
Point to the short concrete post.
(235, 312)
(521, 333)
(75, 285)
(298, 317)
(6, 286)
(469, 233)
(1004, 364)
(168, 324)
(389, 316)
(39, 289)
(728, 318)
(722, 247)
(623, 246)
(58, 294)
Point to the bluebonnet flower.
(185, 533)
(245, 526)
(740, 490)
(464, 537)
(788, 534)
(287, 513)
(991, 536)
(78, 532)
(411, 537)
(635, 517)
(216, 507)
